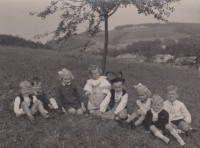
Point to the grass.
(69, 131)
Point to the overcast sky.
(15, 18)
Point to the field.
(67, 131)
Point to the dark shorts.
(177, 122)
(75, 106)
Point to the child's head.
(65, 76)
(156, 103)
(143, 92)
(25, 88)
(95, 72)
(36, 84)
(172, 93)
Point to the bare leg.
(72, 111)
(108, 115)
(53, 103)
(38, 105)
(26, 109)
(140, 120)
(132, 117)
(184, 126)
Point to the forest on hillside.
(16, 41)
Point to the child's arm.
(186, 114)
(106, 101)
(88, 87)
(59, 97)
(63, 109)
(122, 104)
(165, 117)
(148, 120)
(17, 110)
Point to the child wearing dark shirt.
(68, 95)
(157, 121)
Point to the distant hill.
(9, 40)
(121, 36)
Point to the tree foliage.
(75, 12)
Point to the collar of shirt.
(172, 103)
(66, 84)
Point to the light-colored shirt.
(123, 101)
(144, 107)
(177, 110)
(17, 108)
(102, 82)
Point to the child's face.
(37, 87)
(172, 95)
(142, 96)
(95, 74)
(118, 86)
(66, 80)
(157, 106)
(25, 91)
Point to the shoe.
(119, 121)
(58, 111)
(32, 120)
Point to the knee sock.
(161, 136)
(178, 138)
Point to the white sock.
(178, 138)
(161, 136)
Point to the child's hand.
(50, 106)
(64, 110)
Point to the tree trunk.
(105, 46)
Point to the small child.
(68, 95)
(98, 91)
(157, 121)
(28, 104)
(143, 105)
(179, 115)
(40, 95)
(118, 100)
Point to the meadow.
(68, 131)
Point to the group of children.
(108, 100)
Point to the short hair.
(35, 80)
(156, 98)
(172, 88)
(65, 72)
(24, 84)
(94, 67)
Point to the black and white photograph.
(99, 73)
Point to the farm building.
(134, 57)
(161, 58)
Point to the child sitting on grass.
(68, 95)
(143, 105)
(157, 121)
(40, 95)
(27, 104)
(179, 115)
(118, 100)
(98, 91)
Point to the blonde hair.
(172, 88)
(156, 99)
(24, 84)
(65, 72)
(143, 89)
(94, 67)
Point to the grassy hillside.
(69, 131)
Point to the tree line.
(16, 41)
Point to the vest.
(112, 98)
(22, 99)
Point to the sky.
(15, 18)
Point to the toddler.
(143, 105)
(68, 95)
(40, 95)
(157, 121)
(27, 104)
(98, 91)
